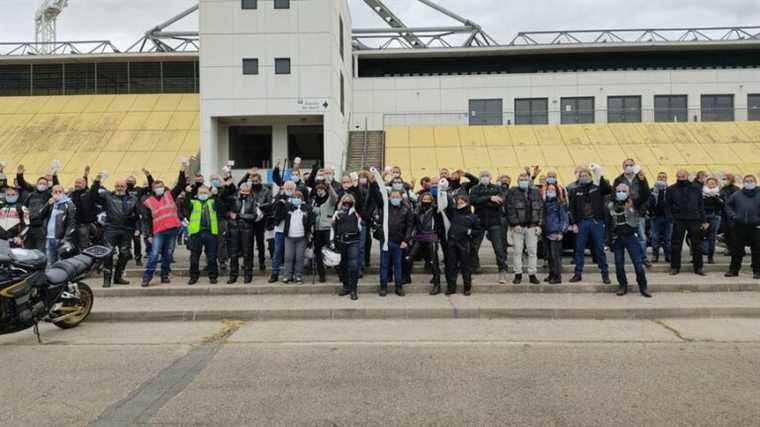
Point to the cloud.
(124, 21)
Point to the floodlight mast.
(45, 24)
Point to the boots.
(467, 289)
(451, 289)
(232, 280)
(576, 278)
(106, 278)
(622, 290)
(248, 278)
(710, 259)
(436, 289)
(165, 279)
(118, 274)
(517, 280)
(534, 280)
(354, 294)
(400, 291)
(383, 289)
(606, 278)
(273, 278)
(343, 292)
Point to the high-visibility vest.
(163, 212)
(195, 217)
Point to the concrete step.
(416, 306)
(482, 284)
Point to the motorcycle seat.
(68, 269)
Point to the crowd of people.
(311, 219)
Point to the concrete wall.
(438, 100)
(307, 33)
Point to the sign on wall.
(313, 105)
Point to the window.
(342, 96)
(79, 79)
(250, 66)
(145, 77)
(623, 109)
(340, 35)
(306, 142)
(577, 110)
(251, 146)
(15, 80)
(671, 108)
(112, 78)
(47, 79)
(249, 4)
(282, 65)
(179, 77)
(282, 4)
(753, 107)
(717, 108)
(486, 112)
(532, 111)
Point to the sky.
(123, 21)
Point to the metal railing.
(78, 47)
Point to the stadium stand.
(715, 147)
(120, 134)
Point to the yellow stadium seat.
(574, 134)
(611, 154)
(476, 159)
(548, 135)
(134, 121)
(528, 155)
(171, 140)
(471, 136)
(652, 133)
(750, 129)
(730, 133)
(158, 120)
(82, 159)
(446, 136)
(144, 103)
(693, 153)
(192, 144)
(599, 135)
(423, 159)
(120, 141)
(99, 103)
(92, 142)
(109, 161)
(503, 157)
(146, 140)
(76, 104)
(398, 157)
(133, 162)
(121, 103)
(626, 133)
(397, 137)
(449, 157)
(668, 155)
(641, 153)
(557, 155)
(163, 163)
(182, 120)
(523, 135)
(746, 152)
(421, 137)
(583, 155)
(54, 105)
(109, 121)
(11, 104)
(677, 133)
(189, 102)
(168, 102)
(497, 135)
(85, 121)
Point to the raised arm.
(181, 184)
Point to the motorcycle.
(30, 294)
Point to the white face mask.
(485, 180)
(710, 191)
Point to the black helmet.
(66, 250)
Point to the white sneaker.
(502, 277)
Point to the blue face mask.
(660, 184)
(295, 201)
(551, 180)
(216, 183)
(288, 193)
(396, 202)
(398, 186)
(203, 197)
(551, 194)
(584, 180)
(524, 185)
(621, 196)
(11, 199)
(750, 185)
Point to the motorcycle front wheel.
(84, 307)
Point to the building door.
(486, 112)
(251, 146)
(308, 143)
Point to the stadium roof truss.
(637, 36)
(157, 39)
(78, 47)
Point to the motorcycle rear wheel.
(86, 298)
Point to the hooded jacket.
(743, 207)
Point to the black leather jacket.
(525, 207)
(121, 211)
(487, 211)
(744, 207)
(35, 200)
(65, 223)
(686, 202)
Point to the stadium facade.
(282, 79)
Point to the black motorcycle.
(30, 294)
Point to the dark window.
(145, 77)
(342, 96)
(671, 108)
(250, 66)
(623, 109)
(753, 107)
(47, 79)
(717, 108)
(306, 142)
(340, 35)
(249, 4)
(113, 78)
(282, 4)
(179, 77)
(532, 111)
(282, 65)
(251, 146)
(79, 79)
(486, 112)
(15, 80)
(577, 110)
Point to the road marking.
(145, 401)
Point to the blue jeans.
(394, 255)
(362, 243)
(631, 244)
(279, 252)
(350, 262)
(593, 228)
(642, 236)
(662, 230)
(51, 250)
(708, 244)
(163, 246)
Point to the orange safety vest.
(164, 213)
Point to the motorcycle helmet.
(66, 250)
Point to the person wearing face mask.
(204, 232)
(457, 187)
(280, 210)
(347, 230)
(459, 223)
(87, 220)
(120, 220)
(662, 221)
(366, 207)
(727, 190)
(743, 212)
(242, 215)
(323, 206)
(262, 194)
(427, 227)
(486, 199)
(139, 193)
(525, 211)
(686, 205)
(555, 225)
(299, 220)
(294, 175)
(713, 212)
(35, 199)
(14, 219)
(587, 219)
(623, 223)
(161, 225)
(60, 223)
(635, 179)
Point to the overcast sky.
(122, 21)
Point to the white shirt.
(296, 224)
